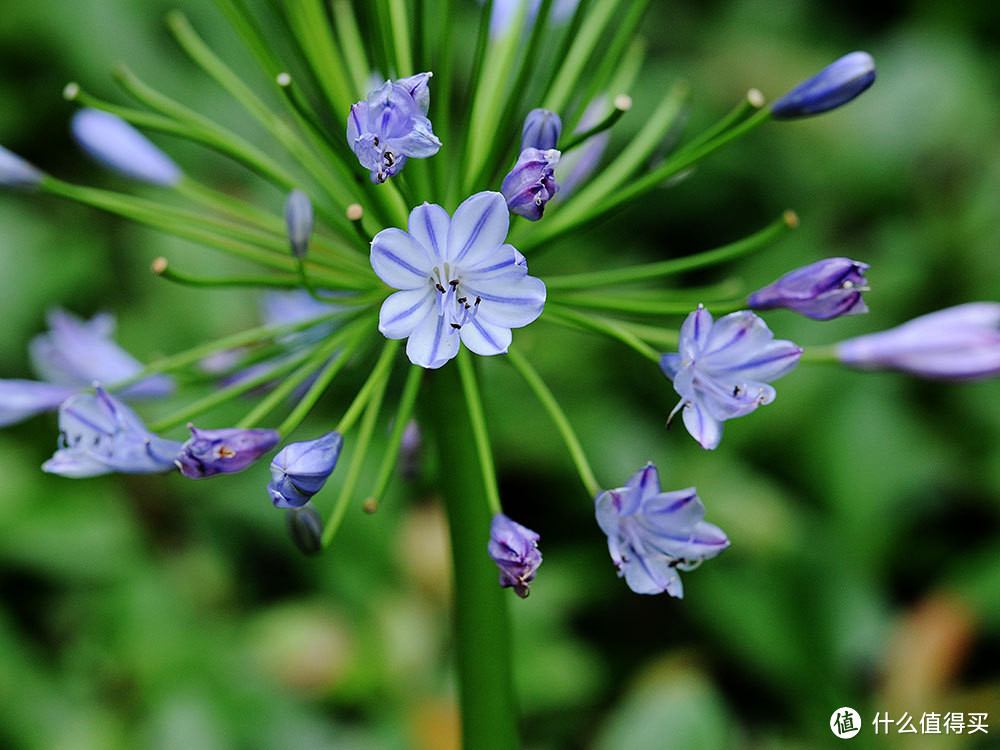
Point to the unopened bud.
(305, 527)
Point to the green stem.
(606, 326)
(753, 101)
(400, 25)
(479, 433)
(580, 54)
(646, 304)
(352, 45)
(622, 104)
(164, 270)
(557, 415)
(361, 399)
(821, 355)
(403, 414)
(482, 628)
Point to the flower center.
(459, 308)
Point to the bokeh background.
(864, 509)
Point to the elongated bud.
(305, 527)
(542, 128)
(299, 220)
(530, 184)
(117, 145)
(226, 451)
(832, 87)
(514, 548)
(16, 172)
(821, 291)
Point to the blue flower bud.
(16, 172)
(299, 220)
(832, 87)
(120, 147)
(530, 184)
(300, 470)
(514, 549)
(226, 451)
(542, 128)
(821, 291)
(305, 527)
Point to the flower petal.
(507, 300)
(505, 260)
(428, 225)
(703, 426)
(402, 312)
(644, 484)
(694, 332)
(485, 338)
(433, 342)
(478, 227)
(399, 260)
(769, 362)
(653, 575)
(20, 399)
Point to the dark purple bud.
(821, 291)
(300, 470)
(299, 221)
(958, 343)
(832, 87)
(305, 527)
(542, 128)
(530, 184)
(514, 549)
(226, 451)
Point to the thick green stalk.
(482, 629)
(399, 22)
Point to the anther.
(463, 300)
(453, 282)
(478, 300)
(439, 288)
(456, 326)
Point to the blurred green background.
(864, 510)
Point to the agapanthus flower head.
(531, 184)
(514, 549)
(300, 470)
(16, 172)
(835, 85)
(722, 370)
(652, 534)
(542, 128)
(225, 451)
(389, 127)
(98, 434)
(20, 399)
(76, 352)
(957, 343)
(822, 290)
(119, 146)
(299, 222)
(460, 283)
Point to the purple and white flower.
(300, 470)
(514, 549)
(113, 142)
(652, 534)
(98, 434)
(225, 451)
(391, 126)
(823, 290)
(530, 184)
(957, 343)
(460, 283)
(722, 370)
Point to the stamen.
(440, 288)
(456, 326)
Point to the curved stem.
(607, 326)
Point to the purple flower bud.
(226, 451)
(119, 146)
(530, 184)
(98, 434)
(20, 399)
(960, 343)
(515, 551)
(542, 128)
(832, 87)
(822, 290)
(299, 221)
(300, 470)
(305, 527)
(419, 87)
(16, 172)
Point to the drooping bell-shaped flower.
(531, 184)
(542, 128)
(390, 127)
(514, 549)
(835, 85)
(460, 283)
(98, 434)
(822, 290)
(20, 399)
(117, 145)
(16, 172)
(300, 470)
(957, 343)
(225, 451)
(299, 222)
(722, 370)
(652, 535)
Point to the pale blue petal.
(509, 301)
(403, 311)
(703, 427)
(428, 225)
(478, 227)
(433, 342)
(485, 338)
(694, 333)
(399, 260)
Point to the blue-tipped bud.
(299, 220)
(120, 147)
(226, 451)
(16, 172)
(530, 184)
(514, 549)
(305, 527)
(832, 87)
(300, 470)
(821, 291)
(542, 128)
